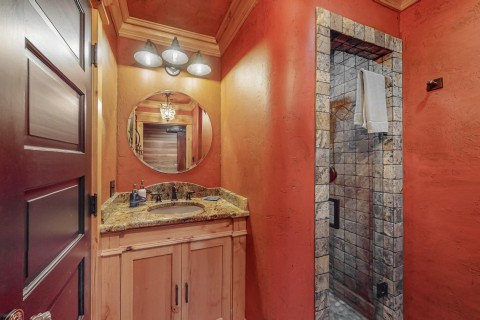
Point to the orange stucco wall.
(135, 84)
(268, 91)
(442, 160)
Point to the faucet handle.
(158, 196)
(189, 195)
(174, 193)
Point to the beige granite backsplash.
(165, 189)
(234, 198)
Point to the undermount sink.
(178, 209)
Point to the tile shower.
(367, 249)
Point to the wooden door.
(206, 276)
(181, 149)
(46, 170)
(151, 284)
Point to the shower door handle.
(336, 213)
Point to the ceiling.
(199, 16)
(205, 25)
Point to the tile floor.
(339, 310)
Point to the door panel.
(58, 115)
(207, 272)
(55, 160)
(61, 285)
(44, 41)
(67, 18)
(151, 284)
(54, 220)
(48, 158)
(62, 307)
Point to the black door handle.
(176, 294)
(186, 292)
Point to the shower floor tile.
(339, 310)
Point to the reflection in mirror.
(169, 132)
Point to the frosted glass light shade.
(167, 112)
(198, 67)
(174, 55)
(148, 56)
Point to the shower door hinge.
(94, 54)
(92, 204)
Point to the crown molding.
(100, 6)
(237, 14)
(138, 29)
(398, 5)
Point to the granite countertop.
(118, 216)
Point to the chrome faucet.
(174, 194)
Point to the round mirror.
(169, 132)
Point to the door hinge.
(94, 54)
(92, 204)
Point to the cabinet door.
(151, 287)
(206, 277)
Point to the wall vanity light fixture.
(173, 59)
(198, 67)
(174, 55)
(148, 56)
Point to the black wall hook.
(434, 84)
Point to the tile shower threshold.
(340, 310)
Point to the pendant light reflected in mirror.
(198, 67)
(148, 56)
(167, 111)
(174, 55)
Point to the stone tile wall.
(351, 153)
(385, 177)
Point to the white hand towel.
(371, 104)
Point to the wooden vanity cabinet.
(206, 270)
(150, 283)
(192, 271)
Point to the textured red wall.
(442, 160)
(268, 91)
